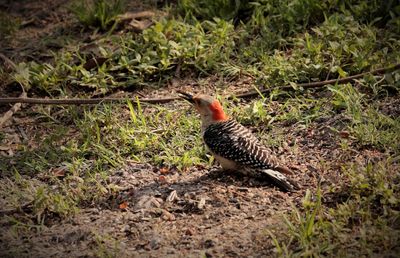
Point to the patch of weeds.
(255, 113)
(35, 197)
(350, 45)
(271, 36)
(338, 47)
(282, 18)
(272, 24)
(169, 134)
(273, 45)
(172, 42)
(372, 11)
(59, 193)
(29, 160)
(141, 133)
(347, 97)
(275, 20)
(265, 112)
(366, 224)
(97, 13)
(368, 124)
(70, 173)
(42, 77)
(303, 110)
(378, 130)
(378, 184)
(106, 246)
(150, 58)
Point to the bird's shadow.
(189, 191)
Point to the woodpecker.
(234, 146)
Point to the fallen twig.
(82, 101)
(321, 83)
(169, 99)
(8, 60)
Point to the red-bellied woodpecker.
(234, 146)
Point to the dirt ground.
(202, 212)
(190, 215)
(196, 213)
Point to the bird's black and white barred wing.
(235, 142)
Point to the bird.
(234, 146)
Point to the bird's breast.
(225, 163)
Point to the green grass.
(98, 13)
(107, 137)
(336, 46)
(368, 125)
(364, 224)
(134, 61)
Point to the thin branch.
(321, 83)
(82, 101)
(8, 60)
(169, 99)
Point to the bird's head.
(209, 108)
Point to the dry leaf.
(167, 216)
(189, 232)
(172, 196)
(123, 205)
(59, 172)
(162, 180)
(94, 62)
(201, 203)
(344, 134)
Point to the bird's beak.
(186, 96)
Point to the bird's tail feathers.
(281, 180)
